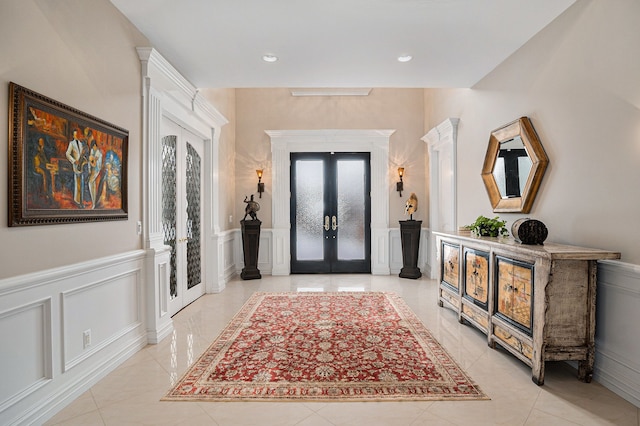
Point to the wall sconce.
(399, 185)
(260, 184)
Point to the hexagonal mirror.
(513, 166)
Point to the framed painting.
(65, 166)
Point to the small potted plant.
(485, 227)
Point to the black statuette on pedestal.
(250, 246)
(410, 238)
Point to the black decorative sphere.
(529, 231)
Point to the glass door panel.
(330, 212)
(193, 208)
(169, 211)
(310, 210)
(351, 201)
(182, 180)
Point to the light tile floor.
(130, 394)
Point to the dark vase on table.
(410, 239)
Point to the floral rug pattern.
(351, 346)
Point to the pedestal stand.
(250, 246)
(410, 238)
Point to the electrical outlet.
(139, 228)
(86, 339)
(230, 218)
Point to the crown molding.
(179, 87)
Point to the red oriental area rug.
(325, 347)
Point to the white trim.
(376, 142)
(396, 262)
(93, 286)
(157, 67)
(443, 176)
(166, 93)
(64, 375)
(617, 365)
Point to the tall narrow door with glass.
(182, 183)
(330, 213)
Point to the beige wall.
(579, 81)
(81, 54)
(275, 109)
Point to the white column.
(442, 144)
(167, 92)
(380, 243)
(158, 259)
(280, 156)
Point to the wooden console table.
(536, 301)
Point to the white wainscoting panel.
(617, 363)
(226, 257)
(30, 351)
(84, 309)
(395, 250)
(229, 242)
(46, 362)
(265, 252)
(234, 258)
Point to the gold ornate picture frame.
(65, 166)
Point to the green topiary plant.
(485, 227)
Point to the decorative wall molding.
(265, 252)
(50, 364)
(37, 351)
(167, 94)
(40, 295)
(226, 257)
(234, 253)
(284, 142)
(396, 262)
(173, 84)
(443, 193)
(81, 304)
(617, 361)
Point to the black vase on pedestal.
(410, 238)
(250, 246)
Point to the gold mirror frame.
(521, 127)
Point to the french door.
(330, 212)
(182, 183)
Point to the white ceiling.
(338, 43)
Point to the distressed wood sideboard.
(536, 301)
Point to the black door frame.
(331, 263)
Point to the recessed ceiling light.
(269, 58)
(405, 58)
